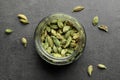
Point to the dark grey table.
(19, 63)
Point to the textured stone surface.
(19, 63)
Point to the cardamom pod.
(54, 21)
(73, 44)
(49, 50)
(63, 52)
(45, 45)
(53, 32)
(66, 28)
(95, 20)
(48, 29)
(90, 70)
(68, 42)
(56, 41)
(50, 41)
(59, 36)
(70, 51)
(78, 8)
(76, 35)
(24, 21)
(55, 49)
(60, 31)
(24, 41)
(67, 34)
(8, 31)
(60, 24)
(57, 55)
(63, 41)
(68, 23)
(102, 66)
(54, 26)
(59, 49)
(22, 16)
(103, 27)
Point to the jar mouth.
(42, 52)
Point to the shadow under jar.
(59, 39)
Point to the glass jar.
(63, 60)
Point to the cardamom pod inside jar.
(59, 39)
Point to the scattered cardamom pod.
(78, 8)
(90, 70)
(24, 41)
(22, 16)
(103, 27)
(8, 31)
(95, 20)
(24, 21)
(101, 66)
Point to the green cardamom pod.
(45, 45)
(78, 8)
(60, 24)
(54, 26)
(49, 50)
(63, 52)
(59, 49)
(48, 29)
(90, 70)
(103, 27)
(50, 41)
(8, 31)
(53, 32)
(54, 21)
(68, 42)
(55, 49)
(59, 36)
(95, 20)
(76, 35)
(102, 66)
(70, 51)
(66, 28)
(57, 55)
(24, 21)
(22, 16)
(24, 41)
(56, 41)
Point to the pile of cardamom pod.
(60, 38)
